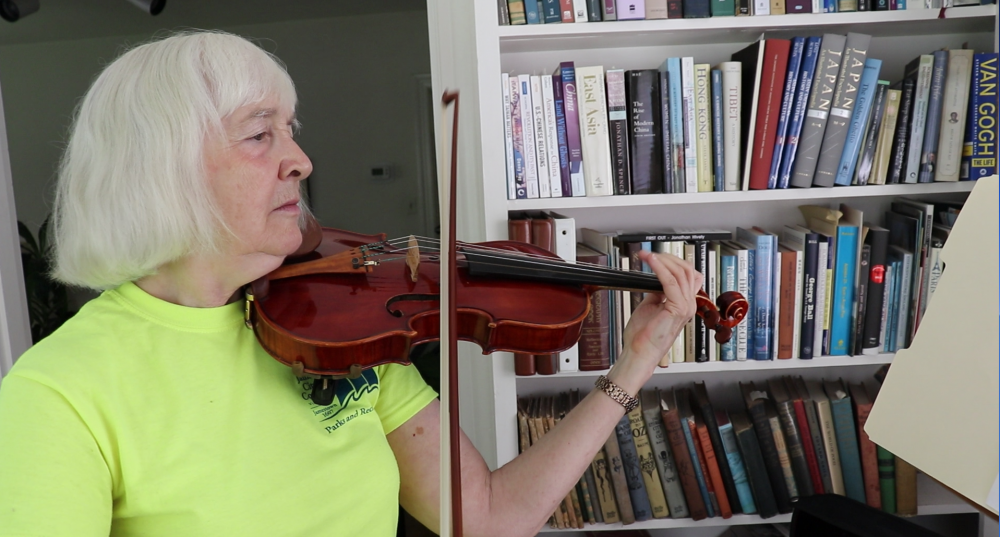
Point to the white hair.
(132, 193)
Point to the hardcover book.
(618, 126)
(567, 72)
(594, 131)
(644, 128)
(920, 70)
(853, 143)
(979, 156)
(844, 98)
(932, 127)
(818, 110)
(954, 107)
(682, 457)
(787, 102)
(664, 459)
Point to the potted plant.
(48, 306)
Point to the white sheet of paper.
(937, 408)
(991, 498)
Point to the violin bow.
(451, 463)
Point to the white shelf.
(741, 196)
(538, 37)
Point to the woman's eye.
(259, 137)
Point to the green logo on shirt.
(348, 400)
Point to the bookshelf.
(469, 50)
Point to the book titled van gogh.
(979, 153)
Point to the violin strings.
(522, 256)
(527, 260)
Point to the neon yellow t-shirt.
(141, 417)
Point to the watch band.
(619, 395)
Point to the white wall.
(357, 86)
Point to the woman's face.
(254, 172)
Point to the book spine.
(718, 136)
(906, 488)
(732, 94)
(715, 439)
(630, 9)
(796, 451)
(860, 302)
(818, 110)
(900, 142)
(673, 68)
(786, 310)
(605, 492)
(561, 139)
(714, 473)
(633, 470)
(643, 121)
(843, 303)
(885, 131)
(932, 128)
(740, 481)
(647, 465)
(690, 123)
(824, 278)
(954, 107)
(541, 147)
(858, 124)
(528, 133)
(616, 470)
(749, 320)
(757, 473)
(571, 103)
(696, 462)
(515, 12)
(696, 9)
(824, 484)
(809, 289)
(685, 466)
(669, 479)
(728, 271)
(784, 458)
(771, 91)
(508, 136)
(787, 101)
(517, 138)
(886, 479)
(979, 156)
(551, 137)
(922, 71)
(879, 240)
(531, 12)
(797, 293)
(869, 459)
(844, 99)
(666, 139)
(769, 454)
(566, 10)
(551, 12)
(703, 126)
(656, 9)
(828, 430)
(808, 446)
(594, 131)
(618, 129)
(847, 447)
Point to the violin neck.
(518, 266)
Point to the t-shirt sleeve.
(53, 478)
(402, 393)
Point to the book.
(885, 133)
(632, 468)
(645, 148)
(732, 120)
(764, 63)
(860, 119)
(704, 406)
(920, 70)
(878, 238)
(900, 140)
(619, 132)
(803, 89)
(756, 409)
(828, 433)
(664, 459)
(932, 127)
(797, 51)
(594, 131)
(818, 110)
(979, 153)
(718, 132)
(812, 441)
(785, 408)
(954, 108)
(682, 457)
(862, 402)
(847, 438)
(703, 127)
(844, 98)
(647, 464)
(615, 470)
(567, 71)
(757, 474)
(731, 448)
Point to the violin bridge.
(413, 258)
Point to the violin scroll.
(724, 314)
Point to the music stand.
(832, 515)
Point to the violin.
(345, 302)
(358, 301)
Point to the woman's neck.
(207, 281)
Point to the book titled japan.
(818, 110)
(844, 98)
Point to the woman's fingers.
(679, 279)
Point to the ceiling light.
(12, 10)
(153, 7)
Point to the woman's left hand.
(660, 317)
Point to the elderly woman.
(154, 411)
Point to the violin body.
(336, 324)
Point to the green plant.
(48, 306)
